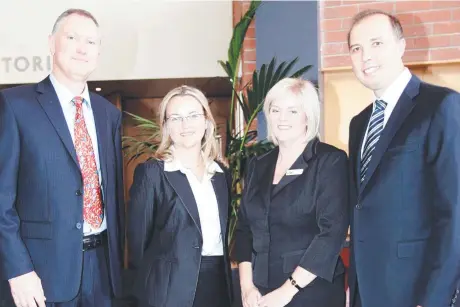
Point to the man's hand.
(27, 290)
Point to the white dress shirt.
(206, 200)
(391, 97)
(65, 98)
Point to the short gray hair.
(305, 93)
(69, 12)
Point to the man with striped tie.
(61, 189)
(405, 161)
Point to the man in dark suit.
(61, 190)
(405, 160)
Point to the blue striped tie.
(373, 135)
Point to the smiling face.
(75, 47)
(186, 122)
(288, 120)
(376, 53)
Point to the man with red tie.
(61, 189)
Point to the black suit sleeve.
(141, 212)
(243, 234)
(442, 264)
(14, 257)
(331, 215)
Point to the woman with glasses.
(178, 211)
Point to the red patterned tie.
(92, 200)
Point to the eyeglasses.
(179, 119)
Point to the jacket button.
(197, 247)
(359, 206)
(78, 192)
(78, 225)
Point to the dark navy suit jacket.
(41, 202)
(164, 235)
(405, 226)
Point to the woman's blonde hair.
(209, 144)
(305, 93)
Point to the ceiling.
(154, 88)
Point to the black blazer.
(405, 230)
(41, 202)
(164, 234)
(302, 222)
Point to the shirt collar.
(395, 90)
(65, 95)
(174, 165)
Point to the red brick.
(349, 2)
(428, 42)
(346, 23)
(384, 6)
(337, 36)
(237, 11)
(416, 56)
(249, 67)
(251, 33)
(411, 6)
(334, 48)
(440, 4)
(340, 11)
(327, 3)
(249, 44)
(456, 14)
(417, 30)
(336, 61)
(444, 54)
(405, 19)
(250, 55)
(246, 5)
(446, 28)
(432, 16)
(331, 24)
(455, 40)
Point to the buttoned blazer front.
(301, 222)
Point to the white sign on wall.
(143, 39)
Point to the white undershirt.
(206, 201)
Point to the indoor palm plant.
(245, 98)
(248, 98)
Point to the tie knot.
(78, 101)
(380, 105)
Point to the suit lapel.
(181, 186)
(50, 103)
(100, 119)
(266, 174)
(220, 186)
(402, 109)
(291, 181)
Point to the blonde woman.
(178, 212)
(293, 218)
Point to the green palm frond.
(145, 142)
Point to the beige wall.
(143, 39)
(344, 96)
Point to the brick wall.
(431, 28)
(248, 57)
(249, 47)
